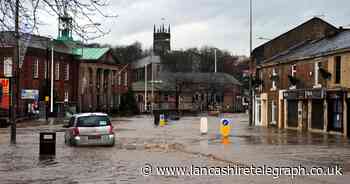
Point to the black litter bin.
(47, 143)
(156, 117)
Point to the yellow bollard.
(225, 128)
(162, 120)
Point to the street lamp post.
(250, 108)
(145, 106)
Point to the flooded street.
(177, 144)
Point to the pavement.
(179, 143)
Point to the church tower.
(161, 40)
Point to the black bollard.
(47, 145)
(156, 117)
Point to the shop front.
(335, 104)
(305, 109)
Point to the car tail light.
(110, 129)
(75, 131)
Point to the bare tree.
(32, 14)
(24, 16)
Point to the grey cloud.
(220, 23)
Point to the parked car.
(89, 129)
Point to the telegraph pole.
(250, 103)
(14, 78)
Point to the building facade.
(305, 87)
(35, 75)
(102, 81)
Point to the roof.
(312, 49)
(197, 77)
(301, 25)
(146, 60)
(90, 53)
(169, 79)
(7, 39)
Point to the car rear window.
(93, 121)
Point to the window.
(126, 79)
(337, 69)
(274, 74)
(66, 72)
(66, 96)
(57, 71)
(294, 70)
(45, 69)
(36, 68)
(317, 73)
(293, 74)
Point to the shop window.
(337, 69)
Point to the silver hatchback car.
(87, 129)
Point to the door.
(317, 117)
(335, 115)
(292, 116)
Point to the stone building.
(305, 86)
(102, 80)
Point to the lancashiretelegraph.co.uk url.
(234, 170)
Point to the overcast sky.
(220, 23)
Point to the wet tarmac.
(178, 144)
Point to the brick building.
(34, 73)
(305, 86)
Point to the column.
(102, 103)
(94, 90)
(80, 90)
(309, 117)
(325, 115)
(109, 90)
(345, 117)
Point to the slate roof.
(168, 80)
(196, 77)
(7, 39)
(313, 49)
(90, 53)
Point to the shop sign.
(30, 94)
(304, 94)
